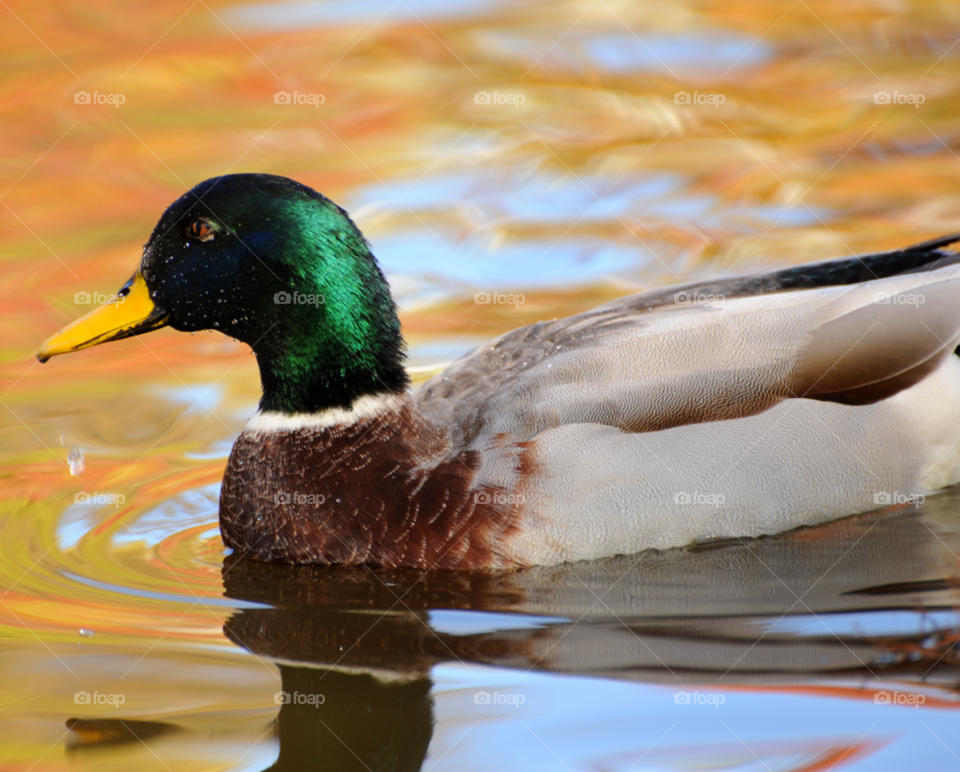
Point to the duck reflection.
(365, 722)
(755, 613)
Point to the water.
(129, 639)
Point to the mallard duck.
(733, 408)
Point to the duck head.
(276, 265)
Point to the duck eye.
(202, 229)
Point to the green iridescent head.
(276, 265)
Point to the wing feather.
(648, 362)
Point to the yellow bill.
(132, 314)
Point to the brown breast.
(387, 490)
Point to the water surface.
(130, 639)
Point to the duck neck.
(330, 362)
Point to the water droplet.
(233, 321)
(76, 462)
(85, 632)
